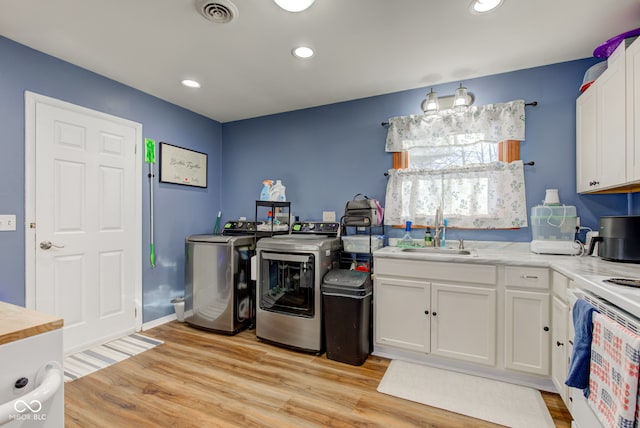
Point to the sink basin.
(435, 250)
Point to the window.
(456, 161)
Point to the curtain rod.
(530, 163)
(532, 104)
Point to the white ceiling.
(363, 47)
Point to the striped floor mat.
(99, 357)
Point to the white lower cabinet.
(402, 313)
(527, 331)
(463, 322)
(449, 320)
(560, 346)
(562, 336)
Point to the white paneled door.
(86, 253)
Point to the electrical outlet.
(7, 222)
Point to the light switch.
(328, 216)
(7, 222)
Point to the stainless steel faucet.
(437, 230)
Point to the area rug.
(91, 360)
(490, 400)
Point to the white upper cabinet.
(601, 131)
(632, 61)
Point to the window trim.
(508, 151)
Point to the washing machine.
(289, 275)
(219, 293)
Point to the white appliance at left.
(32, 378)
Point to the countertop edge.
(18, 323)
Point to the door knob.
(45, 245)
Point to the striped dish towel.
(614, 368)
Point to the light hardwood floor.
(202, 379)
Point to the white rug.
(490, 400)
(89, 361)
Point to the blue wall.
(179, 210)
(326, 155)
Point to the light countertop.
(518, 254)
(19, 323)
(586, 271)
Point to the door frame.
(31, 100)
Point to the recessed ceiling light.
(302, 52)
(294, 5)
(190, 83)
(484, 6)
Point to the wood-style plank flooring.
(202, 379)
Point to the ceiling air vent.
(219, 11)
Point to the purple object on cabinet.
(607, 48)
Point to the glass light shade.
(431, 103)
(294, 5)
(461, 99)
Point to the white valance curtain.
(473, 188)
(491, 122)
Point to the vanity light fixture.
(190, 83)
(294, 5)
(433, 103)
(484, 6)
(302, 52)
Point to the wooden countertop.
(18, 323)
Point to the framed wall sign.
(182, 166)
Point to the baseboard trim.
(158, 321)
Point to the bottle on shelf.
(428, 239)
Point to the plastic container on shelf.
(360, 243)
(277, 192)
(266, 189)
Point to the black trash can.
(346, 299)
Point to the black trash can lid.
(347, 282)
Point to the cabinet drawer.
(560, 284)
(526, 277)
(439, 271)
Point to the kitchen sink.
(436, 250)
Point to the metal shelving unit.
(272, 205)
(347, 258)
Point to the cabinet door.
(586, 136)
(611, 102)
(559, 346)
(527, 331)
(401, 313)
(463, 323)
(633, 111)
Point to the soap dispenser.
(407, 240)
(428, 239)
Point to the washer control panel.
(316, 228)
